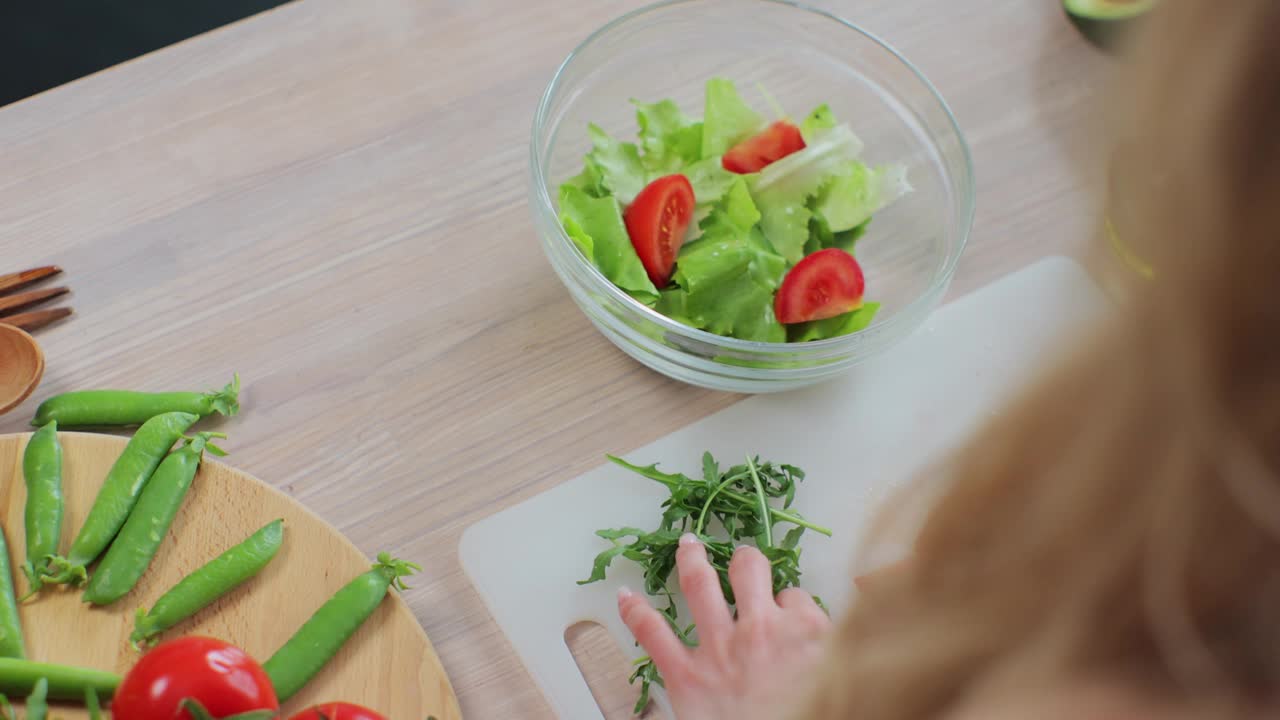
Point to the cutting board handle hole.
(605, 668)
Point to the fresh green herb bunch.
(739, 505)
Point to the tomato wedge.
(823, 285)
(656, 223)
(764, 148)
(337, 711)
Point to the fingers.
(794, 598)
(752, 579)
(800, 603)
(700, 584)
(653, 633)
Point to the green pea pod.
(119, 494)
(201, 588)
(131, 552)
(320, 637)
(38, 701)
(91, 704)
(10, 626)
(42, 468)
(104, 408)
(19, 677)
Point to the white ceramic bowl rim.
(546, 205)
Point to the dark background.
(45, 43)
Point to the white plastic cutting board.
(856, 438)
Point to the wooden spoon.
(21, 366)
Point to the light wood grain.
(388, 665)
(330, 199)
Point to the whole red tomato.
(337, 711)
(221, 677)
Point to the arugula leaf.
(600, 566)
(727, 119)
(617, 164)
(710, 469)
(596, 226)
(820, 119)
(847, 324)
(671, 140)
(742, 503)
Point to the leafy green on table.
(724, 509)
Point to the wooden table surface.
(330, 199)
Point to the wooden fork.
(11, 302)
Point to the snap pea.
(100, 408)
(119, 494)
(131, 551)
(10, 626)
(218, 577)
(320, 637)
(19, 677)
(38, 700)
(42, 468)
(91, 704)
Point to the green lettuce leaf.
(727, 119)
(821, 237)
(846, 240)
(674, 303)
(850, 322)
(785, 219)
(785, 190)
(820, 119)
(595, 225)
(671, 140)
(710, 181)
(726, 279)
(857, 192)
(616, 164)
(735, 214)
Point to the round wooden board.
(388, 665)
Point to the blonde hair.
(1122, 518)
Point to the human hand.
(754, 666)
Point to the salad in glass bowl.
(735, 223)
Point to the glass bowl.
(802, 57)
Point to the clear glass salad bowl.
(802, 57)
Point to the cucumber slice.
(1106, 23)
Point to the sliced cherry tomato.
(337, 711)
(221, 677)
(823, 285)
(764, 148)
(656, 223)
